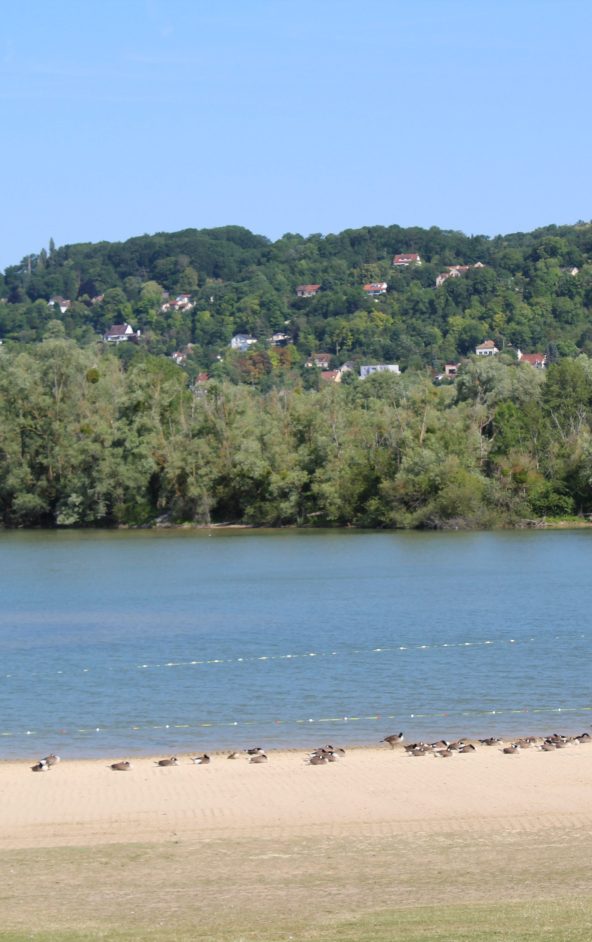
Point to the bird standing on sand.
(393, 739)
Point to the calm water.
(119, 643)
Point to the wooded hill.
(530, 290)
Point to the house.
(182, 302)
(573, 271)
(451, 369)
(331, 376)
(202, 379)
(321, 360)
(379, 368)
(375, 288)
(120, 332)
(486, 349)
(58, 301)
(406, 259)
(279, 339)
(538, 360)
(180, 356)
(242, 342)
(307, 291)
(455, 271)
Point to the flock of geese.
(443, 749)
(323, 755)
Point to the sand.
(373, 792)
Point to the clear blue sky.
(122, 117)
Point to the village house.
(375, 288)
(451, 370)
(406, 259)
(538, 360)
(120, 332)
(180, 356)
(320, 360)
(182, 302)
(331, 376)
(486, 349)
(279, 339)
(307, 291)
(455, 271)
(202, 378)
(60, 302)
(242, 342)
(379, 368)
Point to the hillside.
(527, 290)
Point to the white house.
(486, 349)
(307, 291)
(321, 360)
(405, 259)
(379, 368)
(375, 288)
(538, 360)
(242, 342)
(119, 332)
(60, 302)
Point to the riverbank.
(370, 790)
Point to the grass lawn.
(511, 886)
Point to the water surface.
(127, 642)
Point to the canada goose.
(490, 741)
(468, 747)
(547, 747)
(393, 739)
(255, 751)
(419, 751)
(441, 744)
(232, 755)
(318, 760)
(443, 753)
(584, 737)
(121, 766)
(258, 758)
(40, 766)
(510, 750)
(52, 759)
(172, 761)
(202, 760)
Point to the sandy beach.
(371, 790)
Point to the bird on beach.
(258, 759)
(393, 739)
(202, 760)
(317, 760)
(232, 755)
(40, 766)
(255, 751)
(121, 766)
(172, 761)
(511, 750)
(51, 759)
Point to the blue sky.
(122, 117)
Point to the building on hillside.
(202, 379)
(242, 342)
(451, 370)
(320, 360)
(375, 288)
(307, 291)
(405, 259)
(331, 376)
(455, 271)
(180, 356)
(280, 339)
(58, 301)
(379, 368)
(182, 302)
(486, 349)
(538, 360)
(117, 333)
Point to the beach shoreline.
(373, 790)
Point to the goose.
(258, 758)
(547, 747)
(510, 750)
(172, 761)
(318, 760)
(468, 747)
(40, 766)
(52, 759)
(393, 739)
(232, 755)
(202, 760)
(121, 766)
(443, 753)
(255, 751)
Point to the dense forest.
(532, 291)
(88, 440)
(101, 434)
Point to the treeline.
(85, 441)
(534, 291)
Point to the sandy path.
(370, 791)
